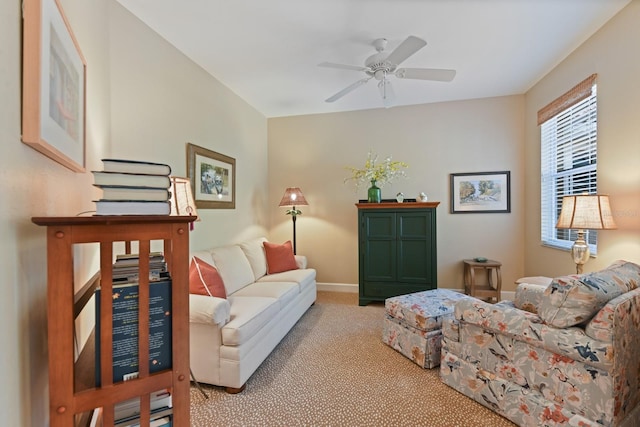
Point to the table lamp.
(583, 212)
(293, 196)
(182, 202)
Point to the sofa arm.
(508, 321)
(209, 310)
(528, 296)
(301, 261)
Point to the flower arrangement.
(380, 173)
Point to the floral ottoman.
(413, 324)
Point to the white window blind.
(568, 160)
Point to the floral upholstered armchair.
(566, 354)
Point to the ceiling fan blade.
(411, 45)
(426, 74)
(347, 89)
(386, 93)
(342, 66)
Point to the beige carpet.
(332, 369)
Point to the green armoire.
(397, 249)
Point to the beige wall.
(33, 185)
(611, 53)
(145, 100)
(161, 100)
(311, 152)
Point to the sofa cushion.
(279, 257)
(204, 255)
(204, 279)
(570, 300)
(284, 292)
(248, 315)
(254, 251)
(303, 277)
(233, 266)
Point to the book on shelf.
(129, 410)
(131, 275)
(125, 329)
(135, 166)
(118, 192)
(134, 258)
(132, 207)
(126, 267)
(102, 178)
(157, 420)
(156, 260)
(127, 413)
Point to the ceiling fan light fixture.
(380, 75)
(381, 64)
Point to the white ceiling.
(267, 51)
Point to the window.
(568, 159)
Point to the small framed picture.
(481, 192)
(53, 85)
(213, 178)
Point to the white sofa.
(230, 338)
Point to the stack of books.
(127, 413)
(126, 267)
(132, 187)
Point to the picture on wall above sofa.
(213, 178)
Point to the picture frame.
(481, 192)
(213, 178)
(53, 85)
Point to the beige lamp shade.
(586, 212)
(182, 203)
(293, 197)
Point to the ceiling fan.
(382, 64)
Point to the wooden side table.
(489, 290)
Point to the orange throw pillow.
(204, 279)
(279, 257)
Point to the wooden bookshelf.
(66, 398)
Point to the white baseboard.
(353, 288)
(338, 287)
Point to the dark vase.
(374, 194)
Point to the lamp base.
(580, 252)
(294, 217)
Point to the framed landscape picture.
(53, 85)
(481, 192)
(213, 178)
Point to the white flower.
(382, 173)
